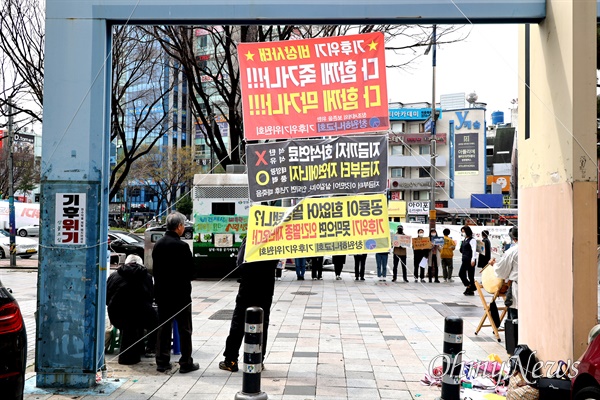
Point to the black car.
(121, 243)
(188, 233)
(13, 347)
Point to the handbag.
(557, 386)
(490, 282)
(518, 389)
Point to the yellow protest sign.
(317, 227)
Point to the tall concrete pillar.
(558, 280)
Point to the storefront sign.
(414, 184)
(466, 154)
(305, 168)
(415, 138)
(412, 114)
(418, 208)
(317, 227)
(314, 87)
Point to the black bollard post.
(452, 364)
(252, 367)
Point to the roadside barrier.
(252, 366)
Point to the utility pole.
(433, 149)
(11, 189)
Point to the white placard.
(70, 218)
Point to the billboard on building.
(466, 153)
(314, 87)
(305, 168)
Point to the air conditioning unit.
(236, 169)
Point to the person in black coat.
(173, 272)
(485, 258)
(256, 290)
(129, 297)
(316, 268)
(338, 265)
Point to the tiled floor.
(327, 340)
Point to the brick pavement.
(327, 339)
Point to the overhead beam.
(303, 11)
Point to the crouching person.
(129, 297)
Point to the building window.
(421, 195)
(397, 127)
(424, 173)
(397, 173)
(423, 149)
(397, 150)
(421, 128)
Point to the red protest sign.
(314, 87)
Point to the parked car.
(13, 346)
(586, 385)
(135, 237)
(121, 243)
(187, 234)
(29, 230)
(25, 247)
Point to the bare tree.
(214, 79)
(26, 172)
(167, 170)
(22, 33)
(139, 107)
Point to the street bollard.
(252, 367)
(452, 364)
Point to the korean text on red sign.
(70, 218)
(314, 87)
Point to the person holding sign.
(421, 246)
(447, 254)
(468, 248)
(399, 256)
(360, 261)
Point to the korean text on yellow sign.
(318, 227)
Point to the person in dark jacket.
(418, 256)
(256, 290)
(360, 261)
(129, 298)
(316, 268)
(338, 265)
(173, 272)
(485, 258)
(468, 248)
(399, 256)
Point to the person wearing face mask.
(468, 248)
(419, 255)
(508, 269)
(434, 260)
(400, 257)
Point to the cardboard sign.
(401, 241)
(421, 243)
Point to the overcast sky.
(486, 62)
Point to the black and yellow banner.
(317, 227)
(318, 167)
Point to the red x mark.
(261, 158)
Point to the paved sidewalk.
(327, 340)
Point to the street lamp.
(11, 189)
(433, 144)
